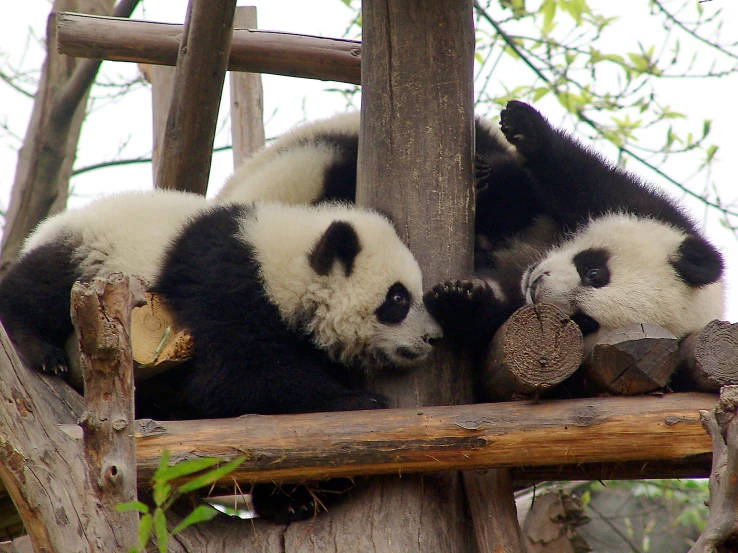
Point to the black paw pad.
(524, 127)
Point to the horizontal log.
(255, 51)
(628, 431)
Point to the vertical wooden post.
(247, 100)
(187, 148)
(162, 85)
(101, 313)
(417, 165)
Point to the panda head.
(346, 280)
(621, 269)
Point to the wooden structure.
(593, 438)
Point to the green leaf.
(144, 531)
(161, 493)
(160, 526)
(548, 9)
(710, 154)
(132, 506)
(706, 125)
(211, 476)
(539, 93)
(163, 465)
(186, 468)
(202, 513)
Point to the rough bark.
(45, 160)
(187, 148)
(63, 502)
(708, 358)
(720, 534)
(402, 441)
(537, 348)
(631, 360)
(551, 524)
(247, 100)
(288, 54)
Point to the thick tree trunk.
(45, 161)
(66, 490)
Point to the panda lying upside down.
(554, 223)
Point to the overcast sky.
(124, 129)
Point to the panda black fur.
(542, 199)
(288, 306)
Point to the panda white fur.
(289, 306)
(541, 198)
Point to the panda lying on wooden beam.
(289, 307)
(555, 223)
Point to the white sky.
(124, 129)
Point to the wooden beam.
(247, 101)
(564, 437)
(289, 54)
(187, 148)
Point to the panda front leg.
(35, 305)
(469, 310)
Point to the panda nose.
(431, 340)
(534, 286)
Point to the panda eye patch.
(592, 266)
(396, 305)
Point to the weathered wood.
(278, 53)
(631, 360)
(247, 100)
(315, 446)
(45, 161)
(498, 530)
(101, 313)
(45, 472)
(709, 358)
(690, 466)
(417, 166)
(161, 78)
(721, 423)
(551, 524)
(537, 348)
(187, 148)
(158, 344)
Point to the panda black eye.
(396, 305)
(593, 267)
(596, 277)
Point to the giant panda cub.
(555, 222)
(289, 306)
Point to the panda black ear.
(697, 262)
(338, 243)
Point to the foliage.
(165, 494)
(602, 78)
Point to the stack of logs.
(538, 352)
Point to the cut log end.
(635, 359)
(709, 358)
(537, 348)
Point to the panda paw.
(44, 357)
(459, 304)
(285, 504)
(295, 502)
(525, 128)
